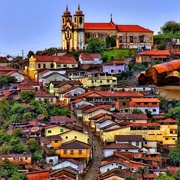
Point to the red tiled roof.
(145, 100)
(89, 56)
(41, 93)
(116, 62)
(99, 26)
(38, 175)
(120, 146)
(61, 119)
(155, 52)
(129, 138)
(57, 59)
(7, 68)
(74, 144)
(168, 120)
(105, 107)
(132, 28)
(144, 125)
(161, 57)
(130, 116)
(25, 87)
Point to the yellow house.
(55, 130)
(54, 141)
(49, 62)
(74, 135)
(17, 158)
(98, 79)
(165, 131)
(75, 149)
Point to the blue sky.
(36, 24)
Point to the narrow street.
(93, 171)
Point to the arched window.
(75, 19)
(80, 20)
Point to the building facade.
(76, 32)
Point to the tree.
(17, 109)
(110, 41)
(5, 80)
(27, 96)
(130, 178)
(174, 156)
(142, 171)
(164, 177)
(4, 109)
(32, 145)
(38, 156)
(174, 113)
(95, 45)
(30, 53)
(177, 175)
(4, 137)
(170, 27)
(149, 114)
(18, 132)
(137, 111)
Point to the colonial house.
(79, 165)
(110, 97)
(53, 141)
(135, 140)
(90, 58)
(109, 149)
(76, 34)
(52, 160)
(53, 76)
(153, 55)
(49, 62)
(20, 77)
(44, 96)
(61, 120)
(116, 67)
(96, 79)
(145, 104)
(75, 149)
(17, 158)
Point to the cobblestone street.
(93, 171)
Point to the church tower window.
(80, 20)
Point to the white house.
(52, 160)
(90, 58)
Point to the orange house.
(75, 149)
(54, 141)
(17, 158)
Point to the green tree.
(149, 114)
(18, 132)
(32, 145)
(5, 80)
(4, 137)
(137, 111)
(174, 156)
(38, 156)
(177, 175)
(164, 177)
(27, 117)
(171, 27)
(130, 178)
(4, 109)
(16, 144)
(95, 45)
(5, 148)
(174, 113)
(17, 109)
(27, 96)
(142, 171)
(30, 53)
(110, 41)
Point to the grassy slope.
(118, 54)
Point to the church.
(76, 32)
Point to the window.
(73, 65)
(80, 20)
(26, 158)
(55, 141)
(65, 151)
(120, 39)
(131, 39)
(173, 138)
(138, 103)
(52, 65)
(65, 65)
(171, 132)
(141, 39)
(80, 151)
(44, 65)
(66, 137)
(75, 137)
(124, 103)
(146, 103)
(166, 138)
(58, 65)
(49, 131)
(100, 81)
(71, 151)
(154, 102)
(61, 130)
(107, 80)
(39, 65)
(154, 110)
(51, 160)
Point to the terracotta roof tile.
(129, 138)
(41, 175)
(57, 59)
(105, 107)
(99, 26)
(145, 100)
(74, 144)
(89, 56)
(7, 68)
(169, 120)
(155, 52)
(60, 119)
(41, 93)
(144, 125)
(120, 146)
(132, 28)
(21, 87)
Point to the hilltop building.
(76, 32)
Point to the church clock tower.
(79, 35)
(67, 31)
